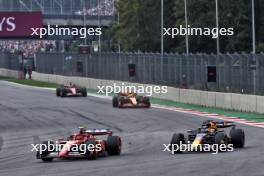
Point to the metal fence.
(9, 61)
(243, 73)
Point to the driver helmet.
(82, 130)
(131, 94)
(211, 125)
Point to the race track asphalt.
(30, 115)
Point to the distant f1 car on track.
(210, 133)
(71, 90)
(126, 100)
(82, 145)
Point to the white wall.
(9, 73)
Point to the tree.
(139, 28)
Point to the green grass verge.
(245, 115)
(4, 78)
(30, 82)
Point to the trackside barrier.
(9, 73)
(240, 102)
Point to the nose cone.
(133, 100)
(73, 90)
(198, 140)
(66, 148)
(63, 153)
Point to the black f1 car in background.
(126, 100)
(71, 90)
(210, 133)
(85, 142)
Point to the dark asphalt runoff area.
(29, 115)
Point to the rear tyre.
(177, 139)
(115, 101)
(113, 145)
(58, 92)
(237, 138)
(91, 155)
(46, 152)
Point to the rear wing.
(225, 124)
(99, 132)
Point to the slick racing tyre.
(177, 139)
(220, 139)
(84, 92)
(147, 101)
(58, 92)
(115, 101)
(46, 152)
(121, 102)
(92, 155)
(139, 98)
(113, 145)
(237, 138)
(62, 92)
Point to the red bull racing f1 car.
(84, 144)
(130, 100)
(71, 90)
(211, 133)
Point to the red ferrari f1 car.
(81, 145)
(71, 90)
(130, 100)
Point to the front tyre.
(89, 154)
(121, 102)
(46, 152)
(58, 92)
(62, 92)
(147, 102)
(221, 139)
(115, 101)
(177, 139)
(84, 92)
